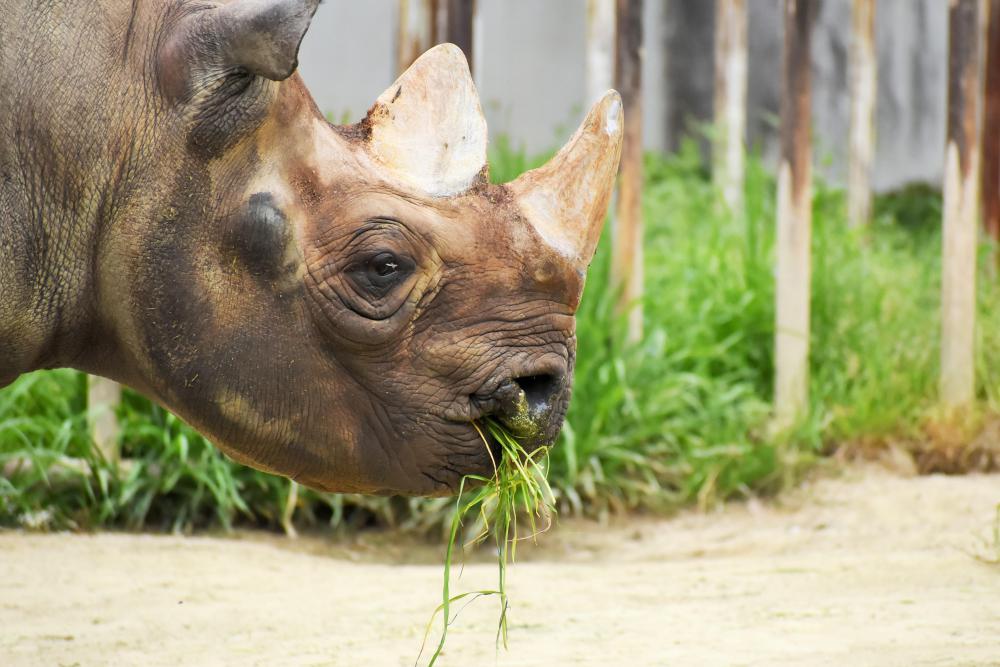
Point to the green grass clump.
(175, 480)
(517, 487)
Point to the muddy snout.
(532, 407)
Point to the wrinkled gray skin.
(167, 221)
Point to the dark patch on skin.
(176, 308)
(362, 130)
(481, 183)
(358, 132)
(496, 195)
(259, 235)
(230, 375)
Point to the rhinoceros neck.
(67, 164)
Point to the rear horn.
(567, 198)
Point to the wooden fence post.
(864, 93)
(418, 31)
(425, 23)
(730, 100)
(626, 261)
(460, 27)
(791, 384)
(600, 48)
(990, 183)
(103, 397)
(961, 183)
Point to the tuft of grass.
(518, 487)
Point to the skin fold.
(336, 304)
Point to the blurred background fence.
(531, 72)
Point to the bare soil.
(868, 568)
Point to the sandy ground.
(864, 569)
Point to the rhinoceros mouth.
(529, 400)
(530, 408)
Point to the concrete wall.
(531, 77)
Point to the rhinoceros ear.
(566, 200)
(261, 37)
(428, 128)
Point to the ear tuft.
(428, 128)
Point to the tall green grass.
(681, 417)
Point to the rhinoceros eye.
(380, 272)
(385, 265)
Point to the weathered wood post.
(460, 27)
(418, 30)
(990, 182)
(103, 398)
(600, 48)
(791, 384)
(626, 260)
(961, 191)
(730, 100)
(425, 23)
(864, 91)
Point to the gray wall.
(531, 76)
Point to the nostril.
(538, 389)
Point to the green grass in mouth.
(518, 488)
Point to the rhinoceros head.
(339, 304)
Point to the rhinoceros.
(336, 304)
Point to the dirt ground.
(867, 568)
